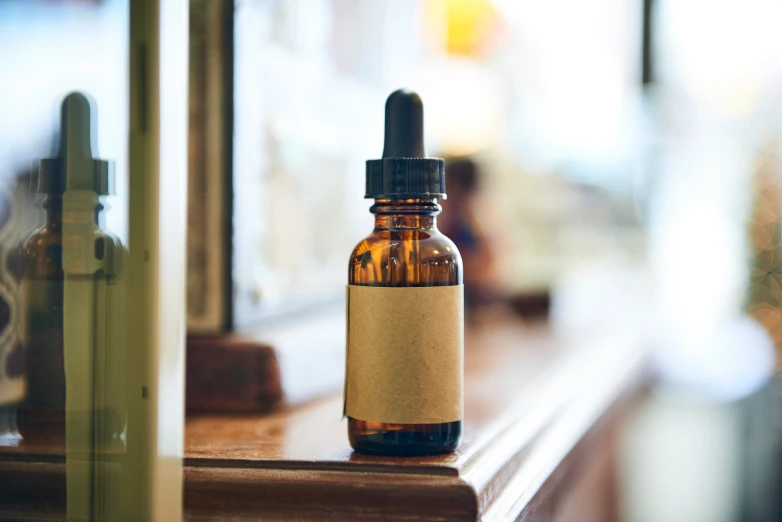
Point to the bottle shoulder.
(41, 239)
(41, 255)
(405, 258)
(428, 244)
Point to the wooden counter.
(536, 408)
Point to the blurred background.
(609, 162)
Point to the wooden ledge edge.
(379, 468)
(550, 459)
(253, 494)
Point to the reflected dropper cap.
(405, 171)
(75, 168)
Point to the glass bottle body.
(405, 249)
(43, 412)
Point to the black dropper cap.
(74, 168)
(405, 171)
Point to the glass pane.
(90, 373)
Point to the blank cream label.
(405, 354)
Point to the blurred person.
(468, 219)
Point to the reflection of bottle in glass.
(69, 292)
(405, 320)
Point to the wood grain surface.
(536, 407)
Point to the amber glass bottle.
(405, 249)
(43, 413)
